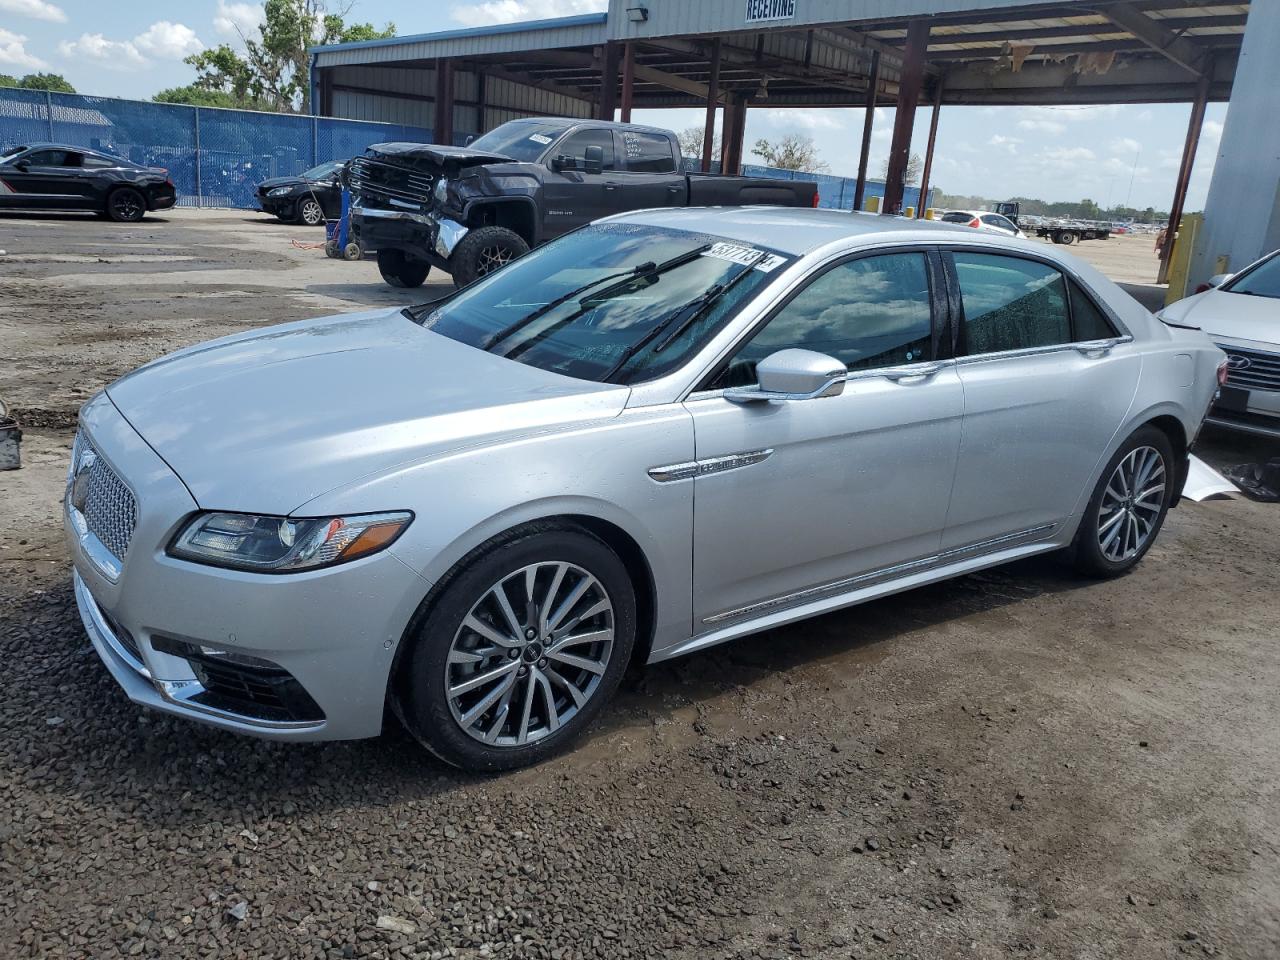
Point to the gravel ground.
(1016, 763)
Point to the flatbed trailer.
(1071, 232)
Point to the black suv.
(57, 176)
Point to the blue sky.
(1108, 154)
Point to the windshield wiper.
(623, 277)
(678, 322)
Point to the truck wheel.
(400, 270)
(1068, 238)
(483, 251)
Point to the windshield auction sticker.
(734, 253)
(539, 138)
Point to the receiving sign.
(759, 10)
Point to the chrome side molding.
(703, 468)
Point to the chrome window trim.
(1086, 347)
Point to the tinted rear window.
(956, 218)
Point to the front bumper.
(277, 206)
(334, 631)
(420, 235)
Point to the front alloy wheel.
(310, 212)
(518, 648)
(1131, 504)
(530, 654)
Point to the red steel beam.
(873, 89)
(928, 153)
(713, 101)
(904, 119)
(628, 79)
(1184, 171)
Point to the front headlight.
(285, 544)
(279, 191)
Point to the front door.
(651, 175)
(1041, 406)
(46, 178)
(824, 490)
(571, 196)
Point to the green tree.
(793, 152)
(912, 174)
(38, 81)
(691, 140)
(197, 97)
(272, 73)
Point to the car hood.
(437, 154)
(278, 182)
(1235, 316)
(264, 422)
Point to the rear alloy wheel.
(1128, 506)
(520, 651)
(310, 212)
(483, 251)
(126, 205)
(401, 270)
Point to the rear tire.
(1068, 238)
(1128, 506)
(483, 251)
(401, 270)
(540, 692)
(126, 205)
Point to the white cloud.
(805, 119)
(1043, 126)
(506, 11)
(13, 51)
(1065, 157)
(111, 54)
(237, 19)
(168, 41)
(1126, 145)
(35, 9)
(1211, 130)
(1008, 144)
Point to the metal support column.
(444, 102)
(1184, 171)
(713, 102)
(905, 117)
(609, 80)
(199, 191)
(735, 128)
(48, 106)
(928, 153)
(628, 78)
(873, 90)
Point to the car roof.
(793, 230)
(93, 151)
(564, 123)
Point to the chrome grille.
(109, 509)
(389, 182)
(1252, 369)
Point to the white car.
(1241, 314)
(984, 220)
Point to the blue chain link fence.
(834, 193)
(216, 157)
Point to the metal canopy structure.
(737, 54)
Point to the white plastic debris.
(1206, 483)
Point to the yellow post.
(930, 214)
(909, 213)
(872, 204)
(1180, 257)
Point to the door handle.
(611, 186)
(1096, 348)
(673, 189)
(917, 371)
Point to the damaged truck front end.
(420, 206)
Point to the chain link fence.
(216, 157)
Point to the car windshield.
(1262, 281)
(523, 140)
(612, 302)
(322, 171)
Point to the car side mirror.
(793, 375)
(593, 159)
(559, 163)
(22, 165)
(470, 138)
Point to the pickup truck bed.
(468, 210)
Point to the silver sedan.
(658, 433)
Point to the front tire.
(126, 205)
(310, 213)
(1128, 506)
(400, 270)
(483, 251)
(520, 650)
(1068, 238)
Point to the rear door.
(1047, 382)
(571, 196)
(649, 174)
(795, 498)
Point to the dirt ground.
(1017, 763)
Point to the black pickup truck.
(468, 210)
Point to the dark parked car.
(469, 210)
(57, 176)
(311, 197)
